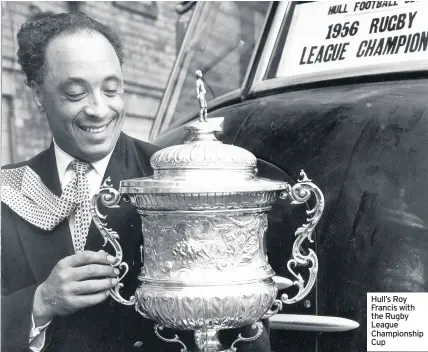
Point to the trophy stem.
(207, 341)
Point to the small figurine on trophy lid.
(200, 95)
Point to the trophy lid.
(202, 164)
(203, 151)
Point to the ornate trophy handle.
(175, 339)
(299, 194)
(111, 199)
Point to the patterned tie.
(25, 193)
(83, 210)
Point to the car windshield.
(221, 45)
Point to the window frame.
(282, 18)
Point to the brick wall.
(150, 47)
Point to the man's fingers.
(88, 257)
(91, 299)
(94, 271)
(93, 286)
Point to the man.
(55, 281)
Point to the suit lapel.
(44, 165)
(44, 249)
(124, 164)
(94, 241)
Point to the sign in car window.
(354, 35)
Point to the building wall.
(149, 33)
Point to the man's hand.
(78, 281)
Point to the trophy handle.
(299, 194)
(111, 199)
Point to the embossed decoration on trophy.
(204, 216)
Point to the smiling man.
(55, 280)
(82, 94)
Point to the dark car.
(341, 91)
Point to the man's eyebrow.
(112, 78)
(79, 80)
(73, 80)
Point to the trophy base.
(207, 339)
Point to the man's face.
(82, 94)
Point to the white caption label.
(397, 321)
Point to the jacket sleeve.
(16, 310)
(18, 287)
(16, 299)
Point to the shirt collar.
(63, 160)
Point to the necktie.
(83, 209)
(25, 193)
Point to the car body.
(358, 128)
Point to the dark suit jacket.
(29, 254)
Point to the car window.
(221, 46)
(330, 39)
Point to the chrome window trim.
(281, 13)
(246, 83)
(282, 82)
(163, 115)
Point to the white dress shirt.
(66, 173)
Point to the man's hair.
(35, 35)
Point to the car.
(338, 90)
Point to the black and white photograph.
(214, 176)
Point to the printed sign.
(325, 36)
(397, 321)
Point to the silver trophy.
(204, 217)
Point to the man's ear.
(37, 96)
